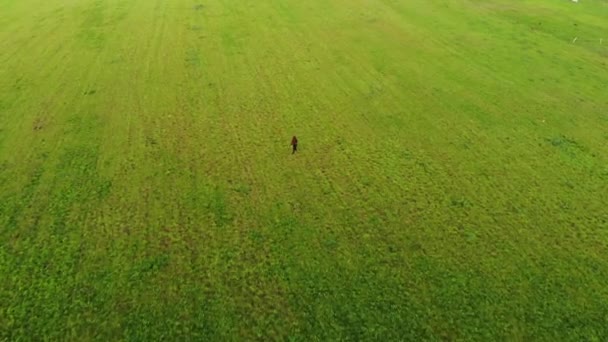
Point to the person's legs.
(295, 148)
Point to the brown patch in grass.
(39, 123)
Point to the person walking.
(294, 144)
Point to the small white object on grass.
(574, 40)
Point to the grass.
(450, 183)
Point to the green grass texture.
(450, 183)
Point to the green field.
(451, 183)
